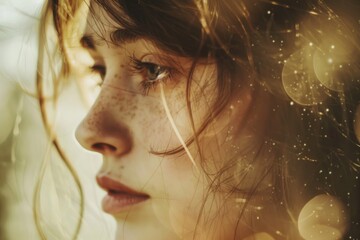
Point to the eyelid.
(99, 68)
(140, 65)
(98, 64)
(95, 55)
(145, 66)
(163, 60)
(165, 63)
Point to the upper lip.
(113, 186)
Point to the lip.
(120, 198)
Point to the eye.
(151, 73)
(98, 69)
(155, 71)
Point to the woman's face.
(141, 109)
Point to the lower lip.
(114, 203)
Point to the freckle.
(132, 115)
(115, 97)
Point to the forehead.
(102, 28)
(171, 27)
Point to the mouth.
(119, 198)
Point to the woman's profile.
(219, 119)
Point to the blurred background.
(25, 147)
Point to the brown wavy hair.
(261, 44)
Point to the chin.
(148, 231)
(142, 224)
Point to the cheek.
(128, 106)
(155, 124)
(185, 195)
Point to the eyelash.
(98, 69)
(142, 68)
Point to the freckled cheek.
(154, 125)
(156, 129)
(146, 119)
(146, 116)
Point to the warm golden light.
(323, 218)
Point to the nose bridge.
(104, 128)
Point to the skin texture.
(126, 123)
(203, 193)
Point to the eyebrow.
(119, 37)
(87, 41)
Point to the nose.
(101, 131)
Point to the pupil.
(153, 72)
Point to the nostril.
(103, 147)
